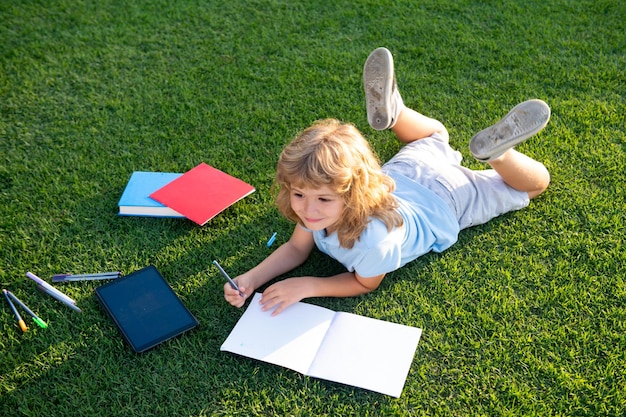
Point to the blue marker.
(272, 239)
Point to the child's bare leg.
(522, 172)
(412, 126)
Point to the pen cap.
(40, 322)
(23, 325)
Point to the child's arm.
(292, 290)
(288, 256)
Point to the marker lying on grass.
(15, 312)
(59, 298)
(86, 277)
(36, 319)
(272, 239)
(50, 289)
(44, 287)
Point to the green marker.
(36, 319)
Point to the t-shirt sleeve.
(384, 257)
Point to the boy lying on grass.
(376, 219)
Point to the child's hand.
(232, 295)
(284, 293)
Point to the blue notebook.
(136, 201)
(145, 308)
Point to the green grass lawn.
(524, 316)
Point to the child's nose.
(310, 207)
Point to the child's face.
(317, 208)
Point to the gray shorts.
(474, 196)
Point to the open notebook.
(336, 346)
(145, 308)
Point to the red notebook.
(202, 193)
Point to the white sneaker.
(382, 98)
(522, 122)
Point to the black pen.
(232, 283)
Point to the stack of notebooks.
(199, 194)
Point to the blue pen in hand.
(232, 283)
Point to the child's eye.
(297, 195)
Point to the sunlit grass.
(524, 316)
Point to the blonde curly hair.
(335, 154)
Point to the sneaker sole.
(522, 122)
(378, 84)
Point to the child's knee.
(543, 181)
